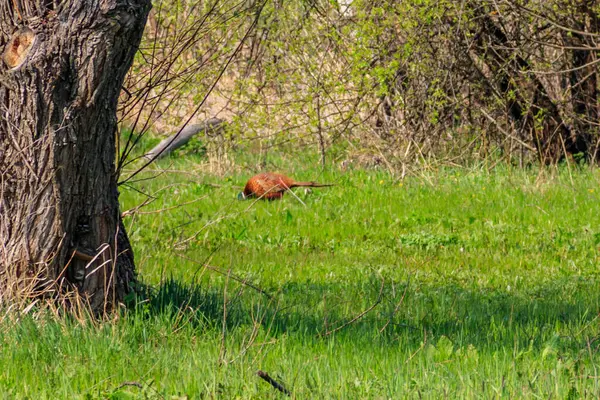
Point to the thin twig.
(224, 324)
(234, 277)
(131, 383)
(522, 143)
(135, 210)
(212, 87)
(397, 307)
(359, 316)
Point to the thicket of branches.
(393, 81)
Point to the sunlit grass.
(479, 285)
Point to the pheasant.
(272, 186)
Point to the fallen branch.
(273, 382)
(177, 140)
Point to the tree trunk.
(508, 68)
(584, 83)
(64, 62)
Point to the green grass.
(482, 285)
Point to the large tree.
(64, 62)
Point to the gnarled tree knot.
(18, 47)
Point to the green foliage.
(195, 146)
(490, 289)
(404, 79)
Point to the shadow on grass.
(472, 316)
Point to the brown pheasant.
(272, 186)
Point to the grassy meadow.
(451, 283)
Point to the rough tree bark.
(64, 62)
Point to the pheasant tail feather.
(311, 184)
